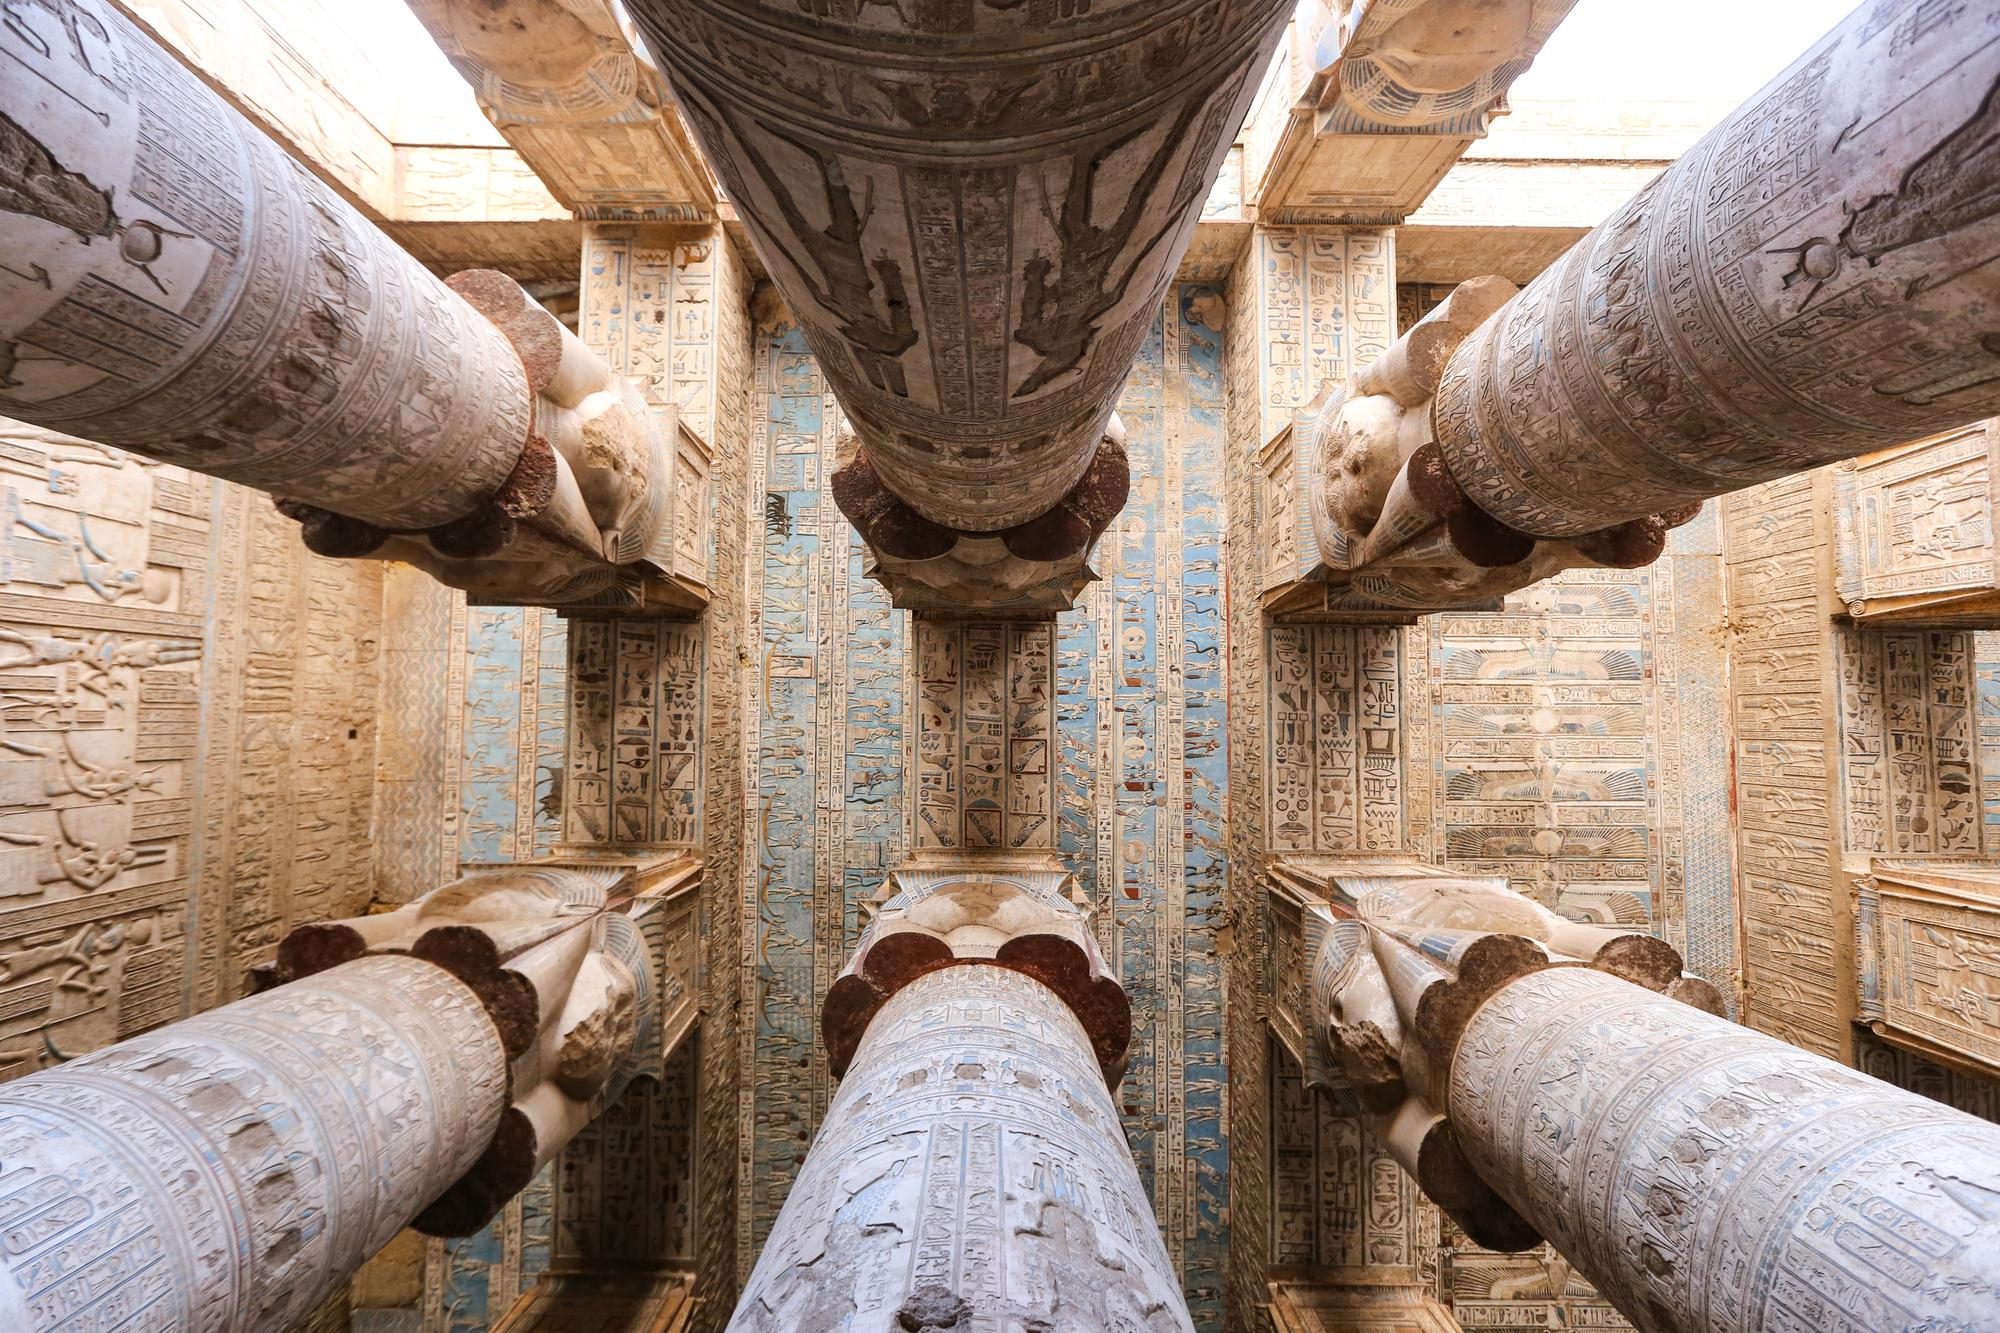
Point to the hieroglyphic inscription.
(1808, 283)
(972, 1147)
(234, 1168)
(1909, 748)
(1786, 764)
(985, 735)
(634, 768)
(186, 741)
(1735, 1182)
(1335, 765)
(1324, 306)
(1913, 530)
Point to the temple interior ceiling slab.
(901, 916)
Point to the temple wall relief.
(189, 712)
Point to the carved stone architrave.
(1928, 959)
(1326, 1300)
(563, 1302)
(572, 90)
(1396, 91)
(1913, 532)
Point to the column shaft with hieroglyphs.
(1813, 280)
(177, 286)
(1710, 1178)
(974, 212)
(1543, 1079)
(227, 1172)
(972, 1172)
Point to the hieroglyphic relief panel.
(985, 734)
(824, 798)
(633, 777)
(1928, 957)
(1913, 531)
(650, 308)
(187, 720)
(1338, 1200)
(1324, 303)
(1335, 766)
(1246, 555)
(1793, 926)
(1909, 743)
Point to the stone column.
(227, 1172)
(972, 1173)
(973, 211)
(175, 285)
(1706, 1177)
(1813, 280)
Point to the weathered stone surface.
(1376, 100)
(1913, 532)
(1707, 1177)
(238, 1166)
(568, 86)
(976, 240)
(972, 1170)
(179, 287)
(1810, 282)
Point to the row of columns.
(177, 286)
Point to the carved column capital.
(1024, 920)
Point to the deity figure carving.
(1542, 1078)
